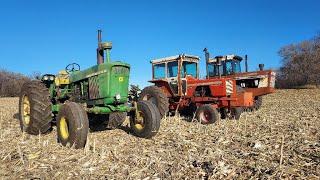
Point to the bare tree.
(300, 64)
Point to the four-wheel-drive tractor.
(177, 87)
(75, 99)
(258, 82)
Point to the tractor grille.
(120, 70)
(94, 88)
(229, 87)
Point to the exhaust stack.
(100, 53)
(207, 56)
(246, 62)
(261, 67)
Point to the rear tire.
(156, 96)
(223, 113)
(35, 108)
(257, 102)
(206, 114)
(148, 125)
(72, 125)
(236, 113)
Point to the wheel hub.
(139, 121)
(64, 128)
(26, 110)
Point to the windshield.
(227, 68)
(213, 70)
(172, 69)
(159, 71)
(190, 68)
(237, 67)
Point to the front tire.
(206, 114)
(72, 125)
(35, 108)
(147, 123)
(156, 96)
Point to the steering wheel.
(72, 67)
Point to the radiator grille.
(94, 88)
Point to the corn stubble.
(281, 140)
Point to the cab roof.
(187, 57)
(224, 58)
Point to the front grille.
(120, 70)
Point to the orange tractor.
(177, 87)
(258, 82)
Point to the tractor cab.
(174, 71)
(224, 65)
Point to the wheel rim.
(64, 131)
(26, 110)
(205, 117)
(139, 121)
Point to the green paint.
(109, 109)
(55, 108)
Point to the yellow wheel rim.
(64, 131)
(139, 122)
(26, 110)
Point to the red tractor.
(177, 87)
(258, 82)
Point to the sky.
(44, 36)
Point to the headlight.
(51, 78)
(118, 97)
(45, 78)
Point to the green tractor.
(75, 99)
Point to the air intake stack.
(103, 46)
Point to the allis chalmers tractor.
(74, 97)
(177, 87)
(258, 82)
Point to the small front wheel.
(206, 114)
(146, 123)
(72, 125)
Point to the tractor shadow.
(16, 116)
(95, 128)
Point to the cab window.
(159, 71)
(190, 68)
(172, 69)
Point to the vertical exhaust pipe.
(261, 67)
(207, 56)
(100, 52)
(246, 62)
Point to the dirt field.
(282, 140)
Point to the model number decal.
(96, 73)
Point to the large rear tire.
(206, 114)
(72, 125)
(35, 108)
(156, 96)
(257, 102)
(147, 123)
(236, 113)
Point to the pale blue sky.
(47, 35)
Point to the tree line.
(11, 83)
(300, 64)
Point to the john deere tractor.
(74, 99)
